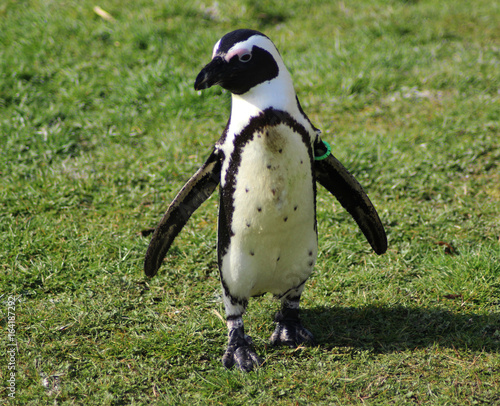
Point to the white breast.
(274, 245)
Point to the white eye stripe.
(216, 48)
(239, 52)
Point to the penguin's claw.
(290, 332)
(239, 352)
(243, 357)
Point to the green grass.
(100, 127)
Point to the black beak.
(212, 74)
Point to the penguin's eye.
(245, 57)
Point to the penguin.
(267, 163)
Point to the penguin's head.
(242, 60)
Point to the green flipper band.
(325, 155)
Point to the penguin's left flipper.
(332, 175)
(198, 189)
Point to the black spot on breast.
(285, 219)
(295, 208)
(252, 253)
(248, 225)
(268, 166)
(259, 209)
(246, 190)
(310, 253)
(301, 161)
(311, 263)
(278, 259)
(280, 150)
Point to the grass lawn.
(99, 129)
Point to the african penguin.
(267, 163)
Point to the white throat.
(277, 93)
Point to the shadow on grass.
(388, 329)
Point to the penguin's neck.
(278, 94)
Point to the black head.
(241, 60)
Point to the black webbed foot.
(289, 330)
(239, 352)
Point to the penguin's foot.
(239, 351)
(289, 331)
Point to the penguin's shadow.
(384, 329)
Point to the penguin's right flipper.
(198, 189)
